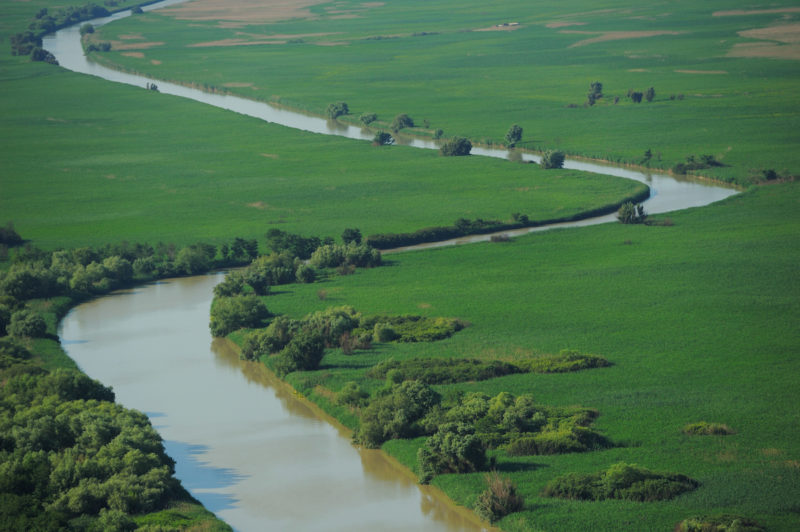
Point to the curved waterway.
(245, 445)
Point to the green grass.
(95, 162)
(745, 111)
(698, 319)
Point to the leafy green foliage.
(269, 340)
(552, 159)
(631, 214)
(513, 135)
(335, 110)
(719, 523)
(382, 138)
(566, 360)
(351, 394)
(350, 254)
(396, 414)
(620, 481)
(499, 499)
(454, 448)
(456, 147)
(704, 428)
(442, 370)
(231, 313)
(368, 118)
(27, 323)
(402, 121)
(304, 352)
(410, 328)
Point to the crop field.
(122, 163)
(699, 323)
(723, 74)
(697, 316)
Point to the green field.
(698, 319)
(427, 60)
(121, 163)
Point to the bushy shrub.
(27, 323)
(382, 138)
(499, 499)
(351, 394)
(631, 214)
(567, 440)
(402, 121)
(442, 370)
(304, 352)
(231, 313)
(456, 147)
(351, 254)
(384, 332)
(620, 481)
(337, 109)
(552, 159)
(270, 340)
(704, 428)
(232, 285)
(719, 523)
(411, 328)
(454, 448)
(566, 360)
(306, 274)
(332, 323)
(396, 414)
(368, 118)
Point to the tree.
(351, 235)
(499, 499)
(631, 214)
(650, 94)
(382, 138)
(513, 135)
(368, 118)
(9, 236)
(456, 147)
(553, 159)
(595, 92)
(453, 449)
(304, 352)
(636, 97)
(231, 313)
(337, 109)
(27, 324)
(401, 121)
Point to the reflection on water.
(245, 446)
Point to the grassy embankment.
(698, 320)
(427, 60)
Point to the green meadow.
(92, 163)
(725, 84)
(698, 320)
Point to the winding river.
(245, 446)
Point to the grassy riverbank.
(698, 320)
(725, 80)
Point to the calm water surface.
(245, 446)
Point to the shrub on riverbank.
(620, 481)
(704, 428)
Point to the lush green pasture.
(424, 59)
(699, 321)
(93, 162)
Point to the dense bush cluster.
(232, 313)
(456, 147)
(410, 328)
(522, 426)
(81, 272)
(72, 459)
(566, 360)
(719, 523)
(704, 428)
(443, 370)
(453, 448)
(396, 413)
(631, 214)
(353, 254)
(620, 481)
(695, 163)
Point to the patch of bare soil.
(155, 62)
(617, 36)
(702, 71)
(563, 24)
(138, 55)
(131, 37)
(232, 42)
(766, 50)
(502, 27)
(782, 42)
(742, 12)
(235, 84)
(122, 45)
